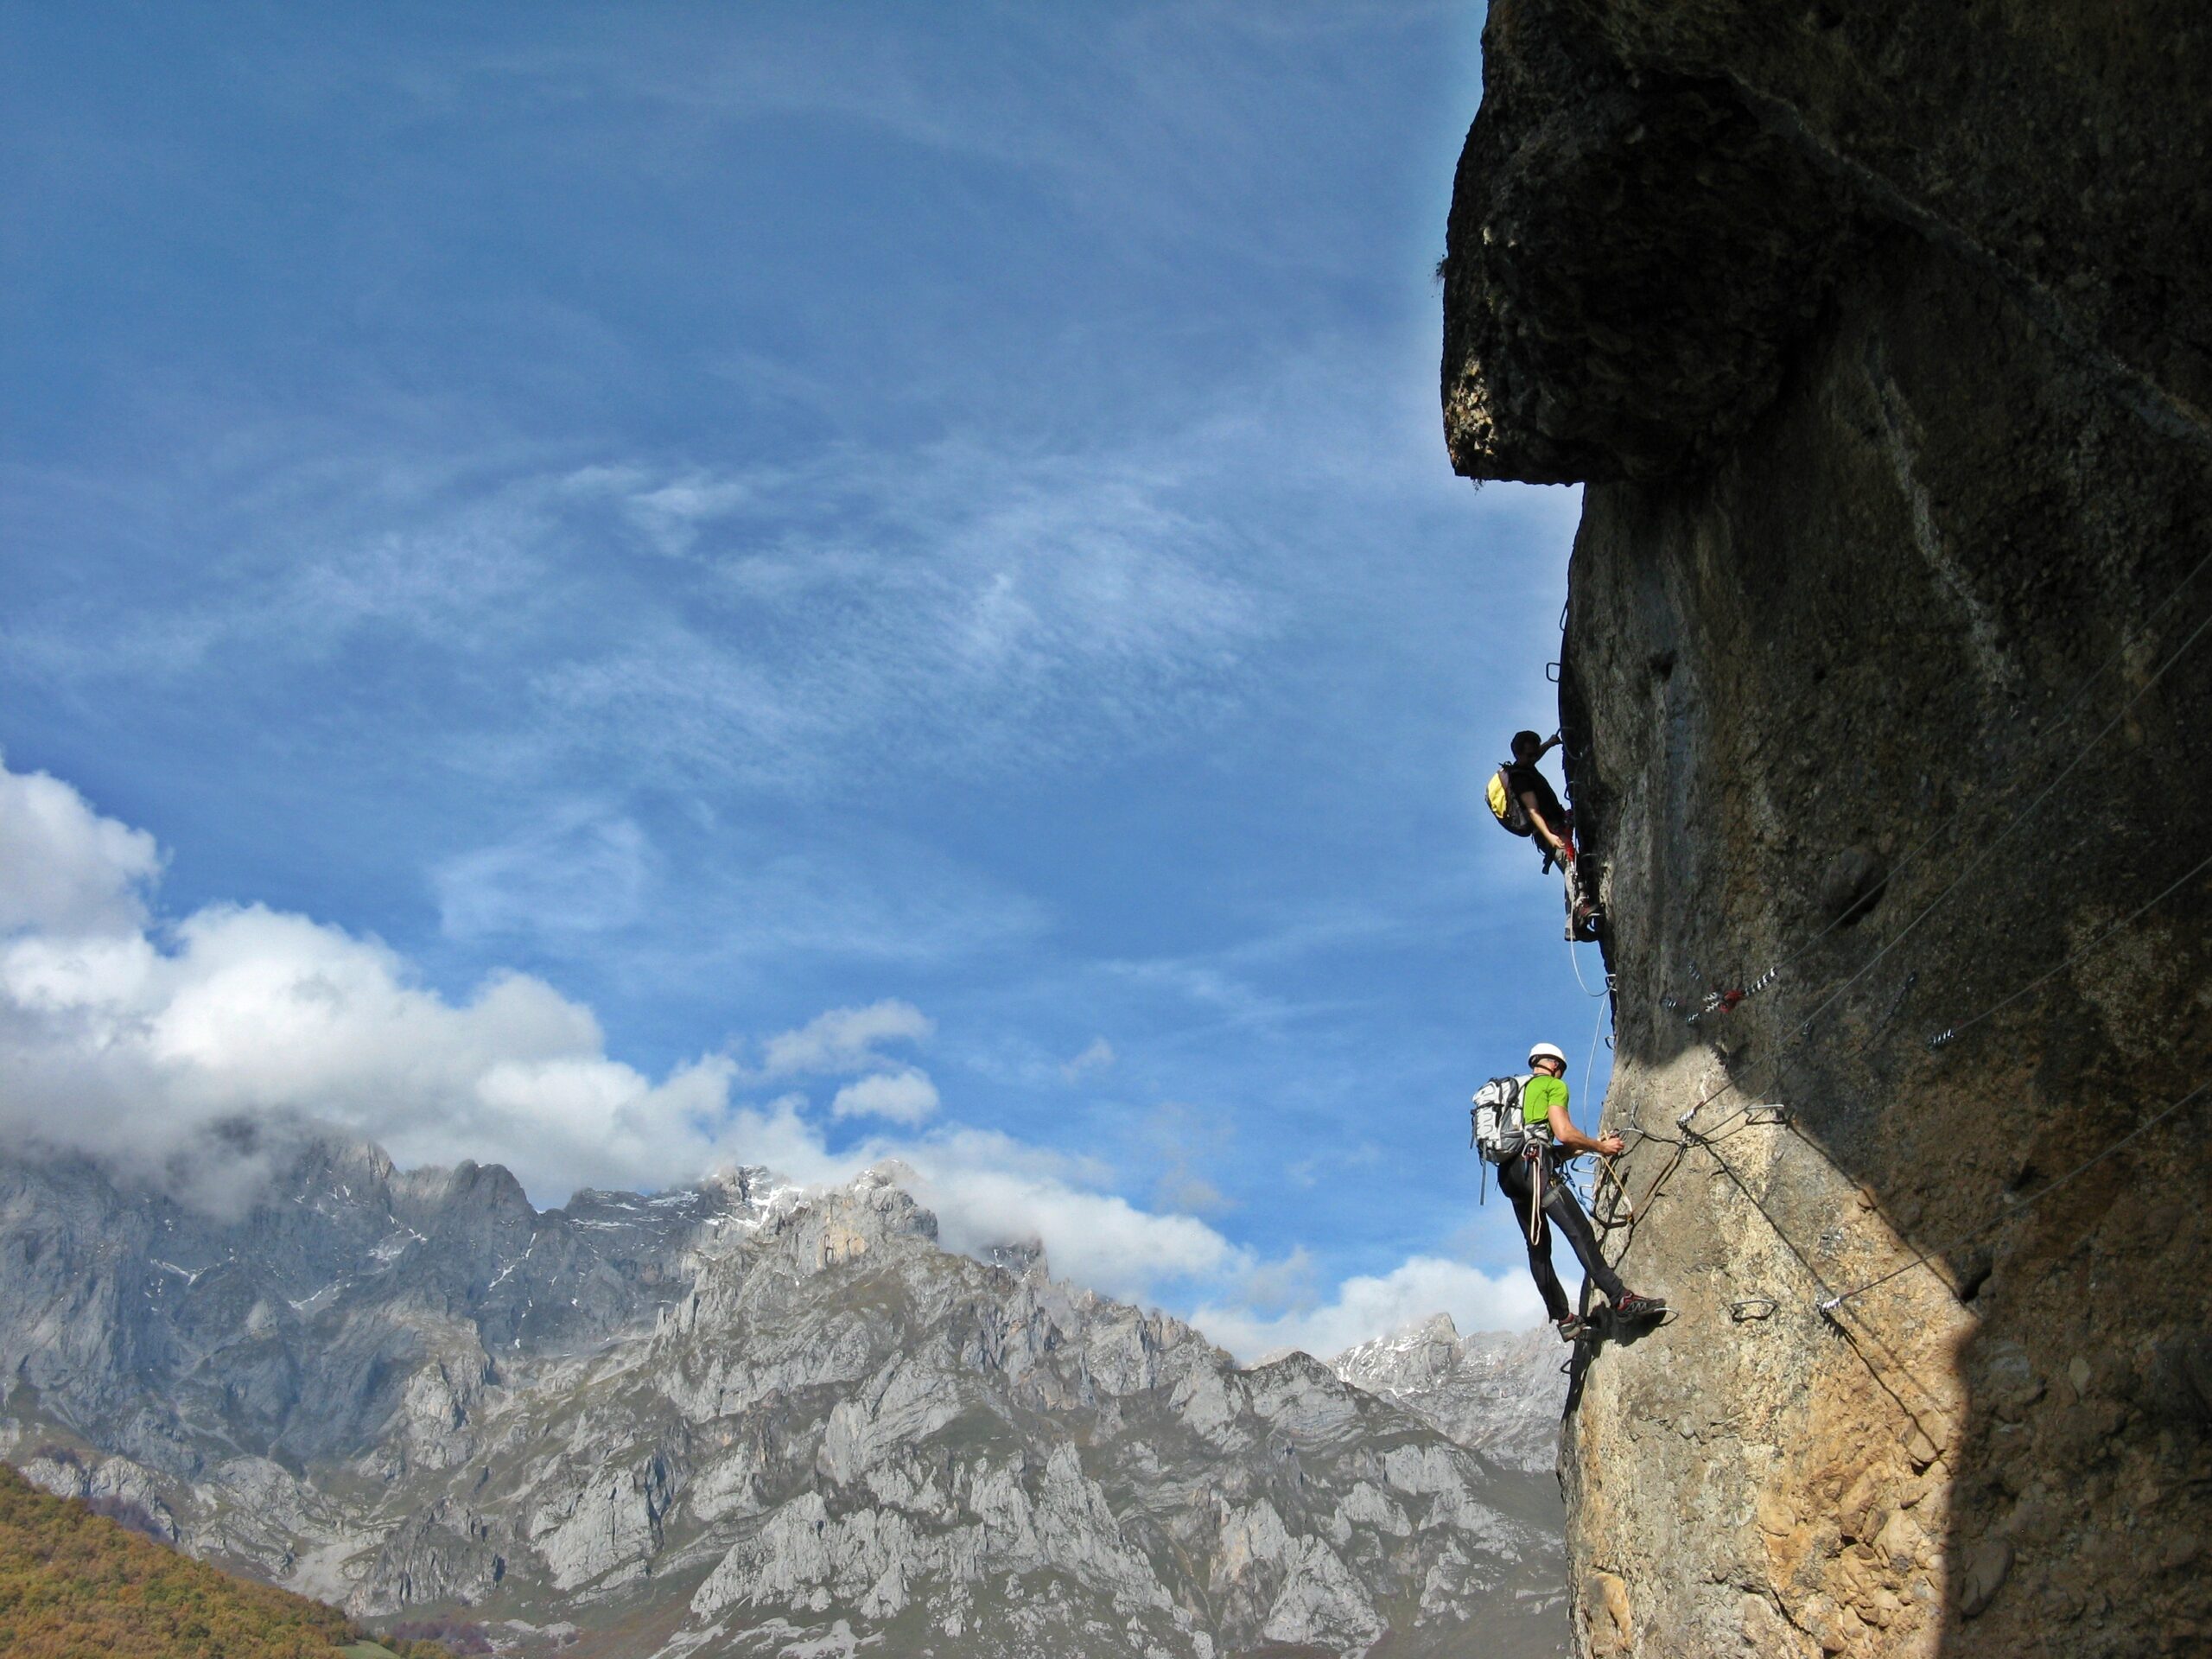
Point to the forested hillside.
(73, 1583)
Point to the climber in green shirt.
(1533, 1183)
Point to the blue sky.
(725, 515)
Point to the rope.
(1605, 1176)
(1773, 1066)
(1989, 847)
(1951, 1032)
(1776, 1064)
(1726, 1001)
(1575, 956)
(1834, 1302)
(1751, 1197)
(2064, 719)
(1762, 1307)
(1536, 1199)
(1606, 1222)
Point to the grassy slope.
(73, 1584)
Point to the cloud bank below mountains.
(136, 1041)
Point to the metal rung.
(1753, 1307)
(1773, 1112)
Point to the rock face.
(1880, 334)
(1496, 1392)
(734, 1419)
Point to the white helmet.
(1546, 1051)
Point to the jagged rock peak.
(1496, 1392)
(1018, 1256)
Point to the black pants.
(1516, 1178)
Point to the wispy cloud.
(1106, 119)
(968, 607)
(846, 1040)
(582, 873)
(909, 511)
(1097, 1056)
(957, 607)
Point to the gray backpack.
(1499, 1132)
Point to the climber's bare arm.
(1574, 1139)
(1550, 837)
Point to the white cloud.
(906, 1097)
(844, 1039)
(131, 1044)
(64, 868)
(120, 1046)
(988, 1188)
(1368, 1307)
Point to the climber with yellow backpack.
(1523, 801)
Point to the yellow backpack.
(1505, 805)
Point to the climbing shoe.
(1570, 1329)
(1633, 1307)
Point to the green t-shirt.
(1538, 1096)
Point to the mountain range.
(746, 1418)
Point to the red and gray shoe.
(1635, 1307)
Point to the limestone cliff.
(1881, 335)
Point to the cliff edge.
(1882, 337)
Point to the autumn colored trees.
(76, 1585)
